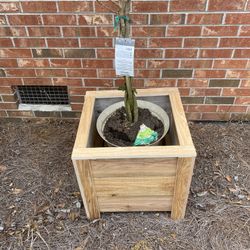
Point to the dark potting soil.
(120, 132)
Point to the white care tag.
(124, 56)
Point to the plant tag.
(124, 56)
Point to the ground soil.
(120, 132)
(41, 206)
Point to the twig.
(106, 7)
(43, 240)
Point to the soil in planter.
(120, 132)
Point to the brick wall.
(200, 46)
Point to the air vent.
(43, 95)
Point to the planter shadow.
(125, 179)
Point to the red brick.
(167, 19)
(96, 42)
(205, 91)
(50, 72)
(75, 6)
(236, 92)
(20, 113)
(10, 81)
(184, 91)
(97, 64)
(196, 64)
(192, 83)
(95, 19)
(33, 63)
(210, 73)
(245, 83)
(106, 32)
(9, 98)
(20, 72)
(140, 64)
(216, 116)
(63, 42)
(39, 7)
(200, 42)
(148, 53)
(3, 20)
(9, 7)
(242, 100)
(137, 83)
(147, 73)
(8, 63)
(160, 83)
(181, 53)
(139, 19)
(150, 6)
(59, 20)
(65, 63)
(165, 42)
(79, 31)
(77, 99)
(231, 108)
(8, 105)
(76, 106)
(105, 53)
(72, 82)
(193, 116)
(37, 81)
(235, 42)
(106, 73)
(187, 5)
(77, 91)
(25, 20)
(216, 53)
(3, 114)
(162, 64)
(140, 43)
(6, 42)
(82, 73)
(184, 31)
(148, 31)
(98, 82)
(238, 74)
(204, 18)
(219, 5)
(228, 64)
(106, 6)
(14, 53)
(245, 31)
(202, 108)
(29, 42)
(44, 31)
(242, 53)
(12, 31)
(237, 18)
(6, 90)
(220, 31)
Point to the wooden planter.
(148, 178)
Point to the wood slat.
(129, 204)
(134, 186)
(134, 167)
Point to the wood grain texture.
(133, 152)
(85, 182)
(180, 121)
(134, 186)
(129, 204)
(134, 167)
(182, 185)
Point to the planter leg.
(183, 180)
(86, 185)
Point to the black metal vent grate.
(54, 95)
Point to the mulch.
(41, 207)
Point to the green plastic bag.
(145, 136)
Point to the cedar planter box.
(146, 178)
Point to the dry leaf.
(173, 235)
(228, 178)
(202, 194)
(2, 169)
(17, 190)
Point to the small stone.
(78, 204)
(236, 178)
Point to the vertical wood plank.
(86, 185)
(183, 180)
